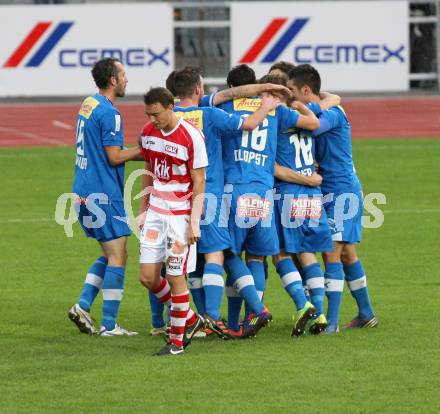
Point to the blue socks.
(112, 291)
(234, 305)
(292, 282)
(213, 285)
(243, 282)
(157, 308)
(334, 286)
(93, 283)
(266, 268)
(314, 279)
(357, 283)
(258, 272)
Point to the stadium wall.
(54, 124)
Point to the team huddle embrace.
(260, 171)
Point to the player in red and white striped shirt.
(175, 153)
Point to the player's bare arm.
(268, 102)
(198, 179)
(306, 119)
(249, 90)
(288, 175)
(147, 182)
(328, 100)
(117, 156)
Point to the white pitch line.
(32, 136)
(45, 154)
(399, 147)
(23, 221)
(413, 211)
(61, 125)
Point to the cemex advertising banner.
(356, 46)
(49, 50)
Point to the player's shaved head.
(281, 67)
(159, 95)
(302, 75)
(241, 75)
(103, 70)
(186, 80)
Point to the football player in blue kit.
(301, 221)
(249, 160)
(99, 185)
(343, 202)
(217, 125)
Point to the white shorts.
(164, 240)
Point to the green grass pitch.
(47, 366)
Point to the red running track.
(54, 124)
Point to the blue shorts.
(344, 214)
(103, 222)
(302, 225)
(251, 220)
(214, 227)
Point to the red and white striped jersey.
(172, 155)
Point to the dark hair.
(185, 80)
(276, 79)
(283, 66)
(241, 75)
(159, 95)
(103, 70)
(306, 75)
(169, 83)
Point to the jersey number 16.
(258, 137)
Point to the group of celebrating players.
(263, 168)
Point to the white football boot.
(82, 319)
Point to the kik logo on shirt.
(161, 169)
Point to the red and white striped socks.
(163, 292)
(191, 317)
(179, 314)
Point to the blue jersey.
(296, 150)
(249, 156)
(215, 124)
(99, 125)
(334, 152)
(207, 100)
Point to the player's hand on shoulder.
(279, 91)
(298, 106)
